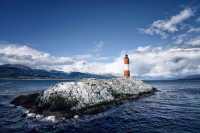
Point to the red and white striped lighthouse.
(126, 67)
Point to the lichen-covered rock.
(85, 93)
(89, 96)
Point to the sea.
(174, 108)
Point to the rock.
(31, 115)
(27, 101)
(71, 99)
(50, 119)
(76, 117)
(38, 116)
(26, 111)
(77, 95)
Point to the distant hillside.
(192, 77)
(16, 71)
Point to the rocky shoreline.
(69, 99)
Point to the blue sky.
(96, 33)
(71, 27)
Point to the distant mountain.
(16, 71)
(192, 77)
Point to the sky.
(162, 38)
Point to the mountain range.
(17, 71)
(191, 77)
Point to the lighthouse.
(126, 67)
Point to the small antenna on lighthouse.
(126, 66)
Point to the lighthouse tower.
(126, 67)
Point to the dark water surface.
(175, 108)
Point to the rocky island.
(69, 99)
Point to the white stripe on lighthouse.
(126, 66)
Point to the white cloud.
(163, 27)
(98, 46)
(26, 55)
(172, 62)
(194, 29)
(145, 61)
(194, 41)
(189, 38)
(96, 51)
(180, 39)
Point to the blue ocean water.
(175, 108)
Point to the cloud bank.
(168, 63)
(152, 62)
(26, 55)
